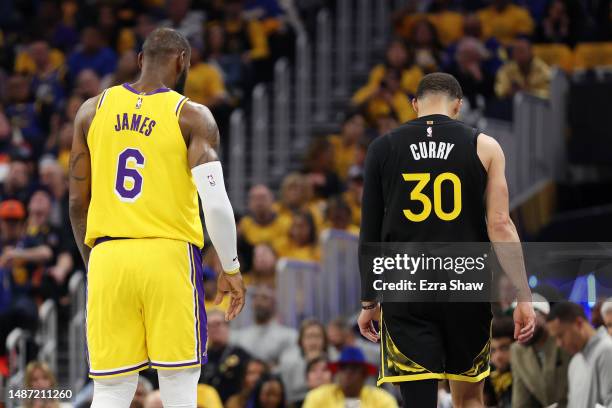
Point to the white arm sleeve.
(218, 213)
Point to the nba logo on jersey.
(211, 180)
(139, 103)
(429, 131)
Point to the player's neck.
(150, 81)
(434, 110)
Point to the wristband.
(232, 272)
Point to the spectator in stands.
(469, 69)
(208, 397)
(266, 339)
(48, 74)
(396, 57)
(296, 195)
(24, 116)
(301, 241)
(153, 400)
(88, 84)
(448, 22)
(589, 372)
(226, 363)
(311, 344)
(52, 177)
(262, 224)
(317, 373)
(340, 335)
(427, 46)
(354, 192)
(92, 53)
(279, 20)
(319, 169)
(389, 100)
(606, 313)
(351, 371)
(269, 392)
(339, 217)
(255, 369)
(244, 37)
(38, 376)
(127, 70)
(229, 64)
(182, 18)
(525, 72)
(205, 82)
(263, 271)
(555, 27)
(505, 21)
(132, 38)
(345, 144)
(65, 34)
(502, 337)
(539, 368)
(17, 184)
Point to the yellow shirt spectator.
(344, 155)
(24, 64)
(449, 25)
(510, 79)
(331, 396)
(505, 24)
(255, 233)
(256, 33)
(208, 397)
(205, 84)
(287, 248)
(409, 82)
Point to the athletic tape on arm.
(218, 213)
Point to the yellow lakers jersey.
(141, 185)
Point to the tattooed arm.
(80, 176)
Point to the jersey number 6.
(416, 195)
(128, 184)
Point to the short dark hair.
(165, 41)
(439, 82)
(566, 312)
(502, 327)
(314, 361)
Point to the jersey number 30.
(128, 184)
(416, 195)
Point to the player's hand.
(524, 321)
(233, 286)
(366, 323)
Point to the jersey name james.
(135, 123)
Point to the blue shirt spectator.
(93, 54)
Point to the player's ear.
(140, 59)
(415, 105)
(457, 107)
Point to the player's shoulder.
(195, 110)
(87, 109)
(488, 143)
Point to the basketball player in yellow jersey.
(141, 153)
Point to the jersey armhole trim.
(179, 105)
(101, 99)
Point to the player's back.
(141, 181)
(433, 182)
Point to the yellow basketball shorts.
(145, 306)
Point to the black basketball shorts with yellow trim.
(421, 341)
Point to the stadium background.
(299, 89)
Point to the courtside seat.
(555, 55)
(591, 55)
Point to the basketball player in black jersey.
(425, 342)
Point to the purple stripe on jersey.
(158, 90)
(124, 370)
(178, 106)
(101, 240)
(199, 283)
(189, 363)
(102, 98)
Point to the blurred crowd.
(57, 53)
